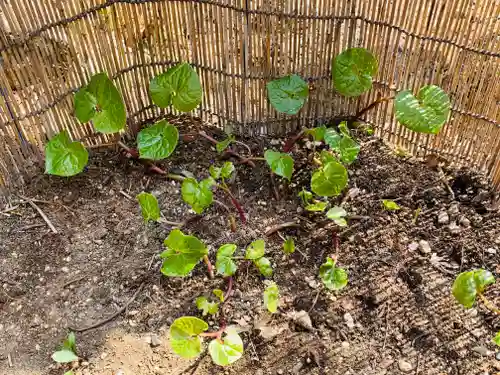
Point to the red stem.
(229, 151)
(209, 267)
(371, 105)
(238, 207)
(291, 141)
(216, 334)
(229, 291)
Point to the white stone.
(424, 247)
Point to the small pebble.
(413, 246)
(349, 321)
(404, 365)
(481, 350)
(443, 218)
(491, 251)
(464, 222)
(155, 341)
(280, 372)
(454, 210)
(497, 356)
(424, 246)
(454, 228)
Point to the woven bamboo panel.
(50, 48)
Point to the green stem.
(488, 304)
(175, 177)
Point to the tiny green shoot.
(271, 297)
(289, 246)
(390, 205)
(67, 352)
(149, 206)
(333, 277)
(337, 214)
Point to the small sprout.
(101, 102)
(289, 246)
(214, 172)
(219, 294)
(337, 214)
(317, 206)
(264, 266)
(280, 163)
(343, 145)
(288, 94)
(305, 196)
(198, 194)
(271, 297)
(468, 285)
(496, 339)
(157, 142)
(333, 277)
(327, 157)
(255, 250)
(224, 260)
(226, 350)
(344, 129)
(149, 206)
(184, 336)
(353, 71)
(390, 205)
(179, 86)
(222, 145)
(67, 352)
(182, 253)
(207, 307)
(425, 113)
(64, 157)
(329, 180)
(69, 373)
(317, 133)
(227, 170)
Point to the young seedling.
(64, 157)
(207, 307)
(390, 205)
(333, 277)
(182, 254)
(255, 252)
(271, 297)
(225, 261)
(337, 214)
(158, 141)
(186, 339)
(289, 246)
(280, 163)
(311, 204)
(67, 352)
(149, 206)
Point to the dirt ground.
(396, 315)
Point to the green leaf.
(289, 245)
(390, 205)
(317, 206)
(228, 350)
(337, 214)
(179, 86)
(333, 138)
(64, 356)
(64, 157)
(222, 145)
(353, 71)
(255, 250)
(345, 146)
(69, 373)
(70, 342)
(271, 297)
(333, 277)
(214, 172)
(158, 141)
(326, 157)
(149, 206)
(425, 113)
(344, 129)
(264, 266)
(224, 260)
(184, 336)
(305, 196)
(101, 102)
(227, 169)
(197, 194)
(219, 294)
(329, 180)
(280, 163)
(469, 284)
(496, 339)
(317, 133)
(207, 307)
(288, 94)
(182, 253)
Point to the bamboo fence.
(50, 48)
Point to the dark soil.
(398, 296)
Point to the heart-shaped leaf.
(222, 145)
(101, 102)
(64, 157)
(317, 133)
(255, 250)
(353, 71)
(224, 260)
(271, 297)
(149, 206)
(425, 113)
(337, 214)
(197, 194)
(288, 94)
(227, 169)
(228, 350)
(334, 278)
(207, 307)
(469, 284)
(344, 145)
(182, 253)
(264, 266)
(64, 356)
(317, 206)
(158, 141)
(329, 180)
(179, 86)
(184, 337)
(280, 163)
(215, 172)
(390, 205)
(289, 246)
(219, 294)
(496, 339)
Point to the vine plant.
(179, 87)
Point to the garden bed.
(395, 316)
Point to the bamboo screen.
(50, 48)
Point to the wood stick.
(42, 214)
(290, 224)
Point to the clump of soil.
(396, 315)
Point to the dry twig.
(42, 214)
